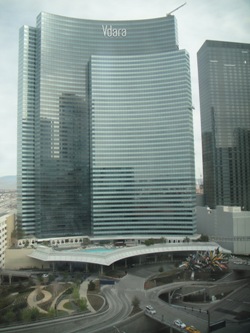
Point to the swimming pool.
(99, 250)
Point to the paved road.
(119, 298)
(119, 309)
(226, 309)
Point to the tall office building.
(105, 129)
(224, 80)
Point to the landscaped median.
(46, 301)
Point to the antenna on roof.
(176, 9)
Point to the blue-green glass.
(111, 130)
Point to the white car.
(150, 309)
(179, 323)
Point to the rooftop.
(109, 255)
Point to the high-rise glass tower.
(105, 129)
(224, 80)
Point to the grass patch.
(68, 306)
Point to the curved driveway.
(119, 298)
(119, 309)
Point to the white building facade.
(7, 223)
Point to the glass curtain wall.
(224, 70)
(142, 161)
(68, 123)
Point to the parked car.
(179, 323)
(192, 329)
(150, 309)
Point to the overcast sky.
(198, 20)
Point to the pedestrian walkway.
(60, 305)
(47, 296)
(83, 292)
(34, 303)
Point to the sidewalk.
(33, 303)
(83, 292)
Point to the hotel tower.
(105, 129)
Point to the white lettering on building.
(109, 31)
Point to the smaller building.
(228, 226)
(7, 225)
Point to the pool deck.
(108, 257)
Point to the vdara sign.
(109, 31)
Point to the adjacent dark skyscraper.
(224, 79)
(105, 129)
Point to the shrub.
(149, 242)
(9, 317)
(91, 286)
(82, 303)
(30, 314)
(135, 302)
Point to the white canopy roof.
(107, 258)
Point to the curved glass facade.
(111, 129)
(142, 161)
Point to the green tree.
(86, 241)
(82, 303)
(186, 240)
(30, 314)
(52, 313)
(162, 240)
(91, 286)
(135, 302)
(203, 238)
(149, 242)
(9, 317)
(75, 293)
(51, 278)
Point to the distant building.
(105, 129)
(200, 201)
(228, 226)
(224, 76)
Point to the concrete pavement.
(47, 296)
(34, 303)
(84, 290)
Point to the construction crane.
(176, 9)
